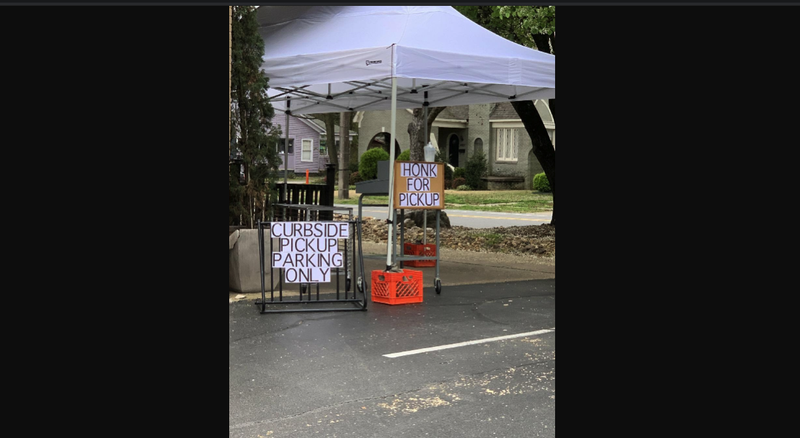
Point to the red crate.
(418, 249)
(397, 287)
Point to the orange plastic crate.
(418, 249)
(397, 287)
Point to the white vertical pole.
(392, 132)
(286, 160)
(286, 153)
(425, 216)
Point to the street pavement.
(488, 369)
(328, 373)
(472, 219)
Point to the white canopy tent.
(322, 59)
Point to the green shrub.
(355, 177)
(541, 183)
(476, 168)
(464, 187)
(458, 182)
(459, 172)
(404, 156)
(368, 167)
(353, 167)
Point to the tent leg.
(425, 217)
(286, 157)
(392, 140)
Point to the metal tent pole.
(392, 133)
(286, 154)
(425, 216)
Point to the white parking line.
(463, 344)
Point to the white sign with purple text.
(308, 250)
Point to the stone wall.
(372, 123)
(478, 128)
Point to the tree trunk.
(542, 147)
(248, 193)
(543, 42)
(344, 142)
(331, 121)
(353, 154)
(416, 131)
(547, 44)
(330, 136)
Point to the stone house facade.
(495, 129)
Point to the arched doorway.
(452, 149)
(381, 140)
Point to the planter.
(243, 270)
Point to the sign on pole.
(308, 250)
(418, 185)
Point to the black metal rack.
(344, 293)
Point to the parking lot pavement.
(359, 374)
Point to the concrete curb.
(457, 268)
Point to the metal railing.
(308, 194)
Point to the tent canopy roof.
(342, 58)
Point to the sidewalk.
(456, 268)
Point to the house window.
(323, 146)
(307, 152)
(507, 144)
(282, 145)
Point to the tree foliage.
(534, 27)
(475, 170)
(251, 116)
(368, 167)
(541, 183)
(525, 25)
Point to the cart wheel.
(360, 285)
(438, 285)
(347, 284)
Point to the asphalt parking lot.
(488, 368)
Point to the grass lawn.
(509, 201)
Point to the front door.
(453, 149)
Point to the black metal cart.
(326, 298)
(380, 187)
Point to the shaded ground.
(539, 240)
(326, 374)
